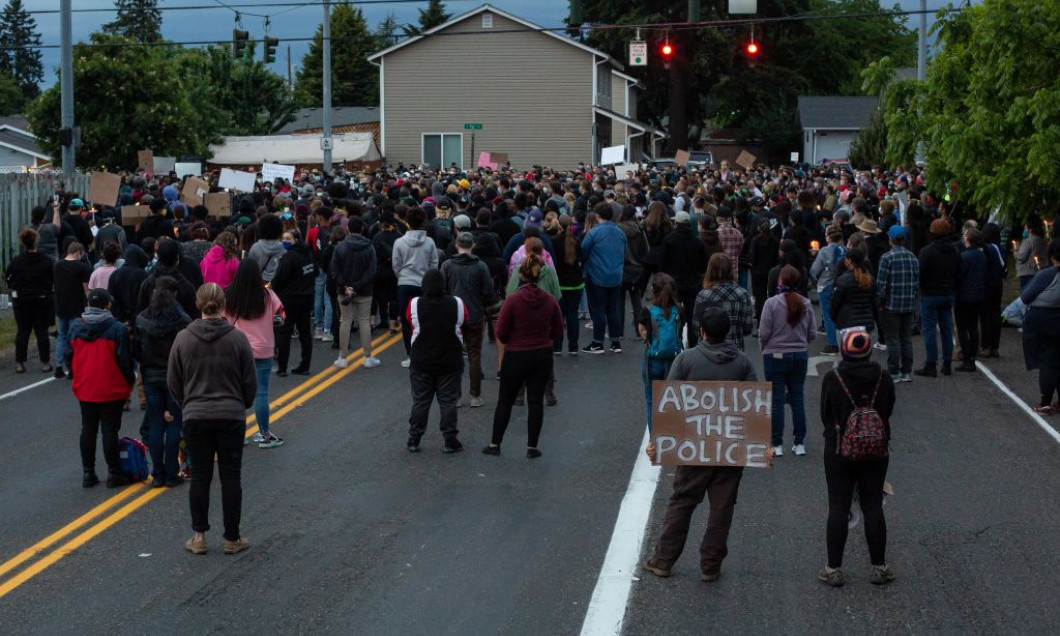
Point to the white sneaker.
(318, 334)
(778, 451)
(799, 450)
(476, 402)
(340, 363)
(879, 346)
(258, 438)
(371, 362)
(406, 363)
(327, 337)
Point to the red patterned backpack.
(865, 437)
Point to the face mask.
(1026, 233)
(288, 245)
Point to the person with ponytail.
(854, 299)
(787, 328)
(659, 324)
(530, 321)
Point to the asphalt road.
(351, 534)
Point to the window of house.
(442, 149)
(487, 20)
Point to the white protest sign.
(272, 171)
(236, 180)
(185, 169)
(622, 170)
(612, 155)
(165, 165)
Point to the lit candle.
(815, 245)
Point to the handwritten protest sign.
(195, 191)
(746, 160)
(499, 158)
(485, 161)
(165, 165)
(134, 214)
(186, 169)
(681, 157)
(219, 204)
(145, 160)
(612, 155)
(711, 423)
(236, 180)
(103, 188)
(272, 171)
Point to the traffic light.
(667, 53)
(752, 52)
(270, 49)
(239, 43)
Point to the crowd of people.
(452, 259)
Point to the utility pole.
(290, 78)
(66, 87)
(921, 58)
(326, 41)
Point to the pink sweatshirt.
(215, 269)
(259, 331)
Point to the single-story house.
(830, 123)
(18, 146)
(488, 81)
(344, 119)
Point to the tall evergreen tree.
(354, 80)
(137, 19)
(434, 15)
(20, 57)
(387, 31)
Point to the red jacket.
(100, 358)
(530, 320)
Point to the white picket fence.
(19, 194)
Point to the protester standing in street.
(1041, 331)
(354, 269)
(102, 371)
(787, 328)
(857, 382)
(156, 329)
(71, 286)
(253, 308)
(714, 359)
(1032, 253)
(940, 267)
(854, 298)
(720, 290)
(823, 271)
(684, 258)
(971, 291)
(604, 252)
(896, 285)
(468, 278)
(438, 359)
(659, 324)
(221, 261)
(268, 249)
(294, 284)
(212, 377)
(30, 278)
(414, 254)
(993, 291)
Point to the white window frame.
(423, 147)
(487, 20)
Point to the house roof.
(632, 123)
(503, 14)
(836, 113)
(313, 118)
(14, 134)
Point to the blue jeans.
(654, 369)
(321, 306)
(744, 277)
(936, 314)
(62, 344)
(825, 297)
(568, 305)
(164, 437)
(788, 375)
(263, 367)
(606, 310)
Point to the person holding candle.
(1032, 253)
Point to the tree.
(20, 57)
(354, 80)
(11, 98)
(988, 112)
(130, 96)
(711, 79)
(434, 15)
(387, 31)
(140, 20)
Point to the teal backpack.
(666, 334)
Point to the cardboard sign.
(681, 157)
(219, 204)
(103, 188)
(145, 160)
(622, 169)
(272, 171)
(236, 180)
(612, 155)
(165, 165)
(711, 423)
(794, 157)
(499, 158)
(194, 192)
(746, 160)
(134, 214)
(486, 161)
(186, 169)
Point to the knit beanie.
(855, 343)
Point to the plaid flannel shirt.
(736, 301)
(898, 281)
(731, 240)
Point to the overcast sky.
(301, 22)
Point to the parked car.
(700, 159)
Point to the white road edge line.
(1038, 419)
(607, 608)
(25, 388)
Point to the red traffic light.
(752, 49)
(667, 50)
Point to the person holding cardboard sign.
(714, 358)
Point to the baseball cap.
(535, 219)
(76, 204)
(683, 217)
(896, 232)
(462, 221)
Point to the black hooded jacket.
(296, 274)
(940, 268)
(125, 284)
(152, 341)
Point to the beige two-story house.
(488, 81)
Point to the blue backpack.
(666, 334)
(132, 456)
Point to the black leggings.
(222, 439)
(32, 315)
(299, 314)
(94, 416)
(843, 476)
(532, 368)
(966, 317)
(990, 317)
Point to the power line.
(239, 6)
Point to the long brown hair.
(862, 277)
(570, 244)
(657, 218)
(530, 270)
(719, 269)
(663, 293)
(790, 277)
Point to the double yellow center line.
(279, 408)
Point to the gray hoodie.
(268, 255)
(211, 372)
(707, 362)
(413, 255)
